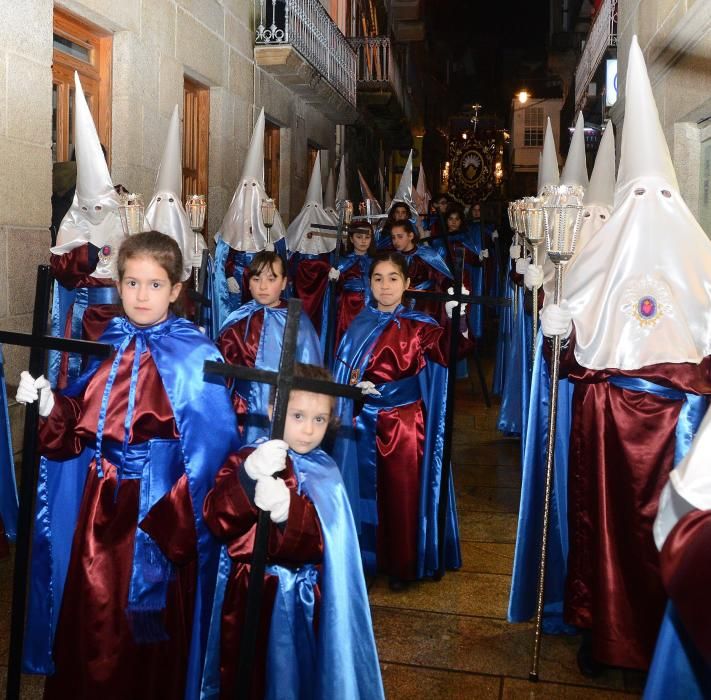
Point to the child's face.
(266, 286)
(306, 420)
(146, 292)
(402, 239)
(361, 242)
(388, 285)
(454, 222)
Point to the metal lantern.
(132, 211)
(196, 206)
(347, 212)
(533, 220)
(268, 216)
(562, 215)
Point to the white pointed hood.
(94, 215)
(404, 189)
(165, 212)
(371, 202)
(301, 237)
(329, 198)
(548, 173)
(597, 209)
(575, 170)
(643, 295)
(423, 194)
(242, 227)
(342, 189)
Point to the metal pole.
(534, 309)
(28, 487)
(550, 451)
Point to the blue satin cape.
(503, 342)
(308, 350)
(355, 448)
(205, 420)
(341, 660)
(524, 583)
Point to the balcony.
(299, 44)
(380, 87)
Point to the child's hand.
(368, 388)
(233, 285)
(273, 495)
(268, 459)
(30, 389)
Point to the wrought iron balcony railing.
(377, 67)
(308, 28)
(603, 33)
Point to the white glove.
(334, 274)
(515, 251)
(522, 265)
(29, 390)
(196, 258)
(233, 285)
(483, 254)
(494, 235)
(557, 320)
(533, 277)
(368, 388)
(449, 305)
(268, 459)
(273, 495)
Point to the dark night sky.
(493, 45)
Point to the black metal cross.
(39, 343)
(285, 383)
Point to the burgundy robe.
(310, 280)
(621, 452)
(401, 351)
(73, 270)
(419, 272)
(239, 348)
(686, 572)
(94, 650)
(349, 302)
(231, 515)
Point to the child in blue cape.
(316, 638)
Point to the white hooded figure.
(424, 197)
(94, 215)
(342, 187)
(165, 212)
(301, 236)
(597, 207)
(640, 306)
(329, 197)
(404, 195)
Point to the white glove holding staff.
(268, 459)
(515, 251)
(483, 254)
(334, 273)
(522, 265)
(533, 277)
(449, 305)
(30, 390)
(273, 495)
(557, 320)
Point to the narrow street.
(451, 639)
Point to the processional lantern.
(196, 207)
(131, 211)
(532, 210)
(268, 209)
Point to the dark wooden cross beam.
(39, 343)
(462, 299)
(198, 295)
(285, 383)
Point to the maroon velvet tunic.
(310, 277)
(240, 348)
(231, 515)
(349, 302)
(621, 452)
(686, 572)
(94, 651)
(73, 270)
(401, 352)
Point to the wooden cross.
(285, 383)
(39, 343)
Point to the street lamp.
(523, 96)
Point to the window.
(272, 144)
(196, 136)
(81, 47)
(533, 127)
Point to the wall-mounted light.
(523, 96)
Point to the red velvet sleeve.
(686, 572)
(74, 269)
(171, 524)
(231, 515)
(57, 433)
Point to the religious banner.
(471, 175)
